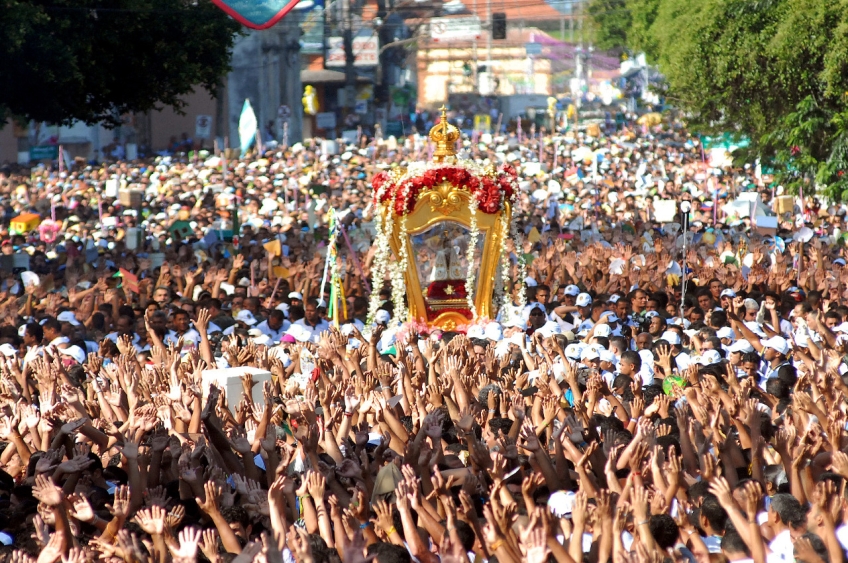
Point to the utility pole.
(350, 58)
(571, 22)
(489, 74)
(291, 89)
(474, 47)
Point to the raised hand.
(47, 492)
(151, 520)
(187, 550)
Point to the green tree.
(775, 71)
(612, 21)
(92, 60)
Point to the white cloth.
(314, 332)
(782, 549)
(274, 335)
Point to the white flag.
(247, 127)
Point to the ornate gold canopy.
(446, 223)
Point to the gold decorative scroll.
(444, 198)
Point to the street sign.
(203, 126)
(325, 120)
(44, 152)
(256, 15)
(533, 48)
(466, 28)
(366, 51)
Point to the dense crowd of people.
(672, 389)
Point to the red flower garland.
(490, 192)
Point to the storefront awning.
(325, 76)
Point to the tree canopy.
(775, 71)
(92, 60)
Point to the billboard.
(466, 28)
(366, 50)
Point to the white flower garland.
(397, 276)
(502, 297)
(471, 274)
(383, 228)
(518, 242)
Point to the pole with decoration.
(337, 307)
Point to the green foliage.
(612, 22)
(92, 60)
(775, 71)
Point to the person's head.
(536, 317)
(52, 329)
(705, 300)
(712, 517)
(818, 546)
(311, 311)
(125, 325)
(162, 295)
(639, 300)
(275, 319)
(543, 294)
(657, 325)
(734, 547)
(33, 334)
(786, 512)
(389, 553)
(630, 363)
(644, 341)
(831, 319)
(181, 321)
(664, 530)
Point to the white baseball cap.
(572, 290)
(710, 357)
(603, 330)
(728, 293)
(382, 317)
(493, 332)
(549, 329)
(726, 332)
(246, 317)
(8, 350)
(671, 337)
(573, 351)
(608, 356)
(583, 300)
(515, 321)
(298, 332)
(589, 353)
(296, 295)
(476, 331)
(75, 352)
(68, 317)
(742, 346)
(777, 343)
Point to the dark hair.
(664, 529)
(632, 357)
(52, 324)
(818, 546)
(389, 553)
(714, 513)
(732, 542)
(788, 509)
(35, 330)
(466, 535)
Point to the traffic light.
(498, 25)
